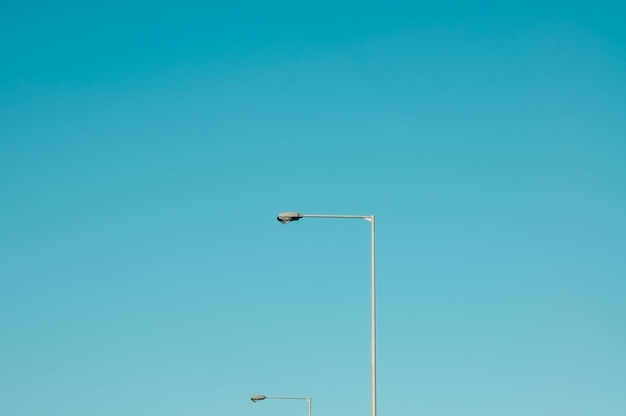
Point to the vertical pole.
(371, 219)
(309, 400)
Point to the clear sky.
(146, 148)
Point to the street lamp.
(259, 397)
(287, 217)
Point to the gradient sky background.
(146, 148)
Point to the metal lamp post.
(287, 217)
(259, 397)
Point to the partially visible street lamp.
(287, 217)
(259, 397)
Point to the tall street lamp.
(260, 397)
(287, 217)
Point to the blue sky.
(146, 148)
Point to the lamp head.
(257, 398)
(287, 217)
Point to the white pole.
(371, 219)
(309, 400)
